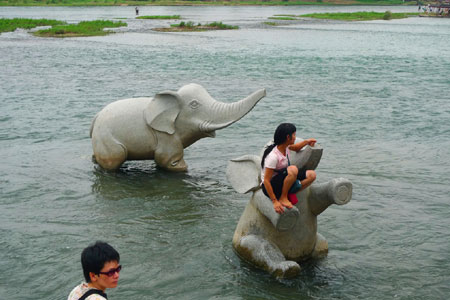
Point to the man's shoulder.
(96, 297)
(77, 291)
(80, 290)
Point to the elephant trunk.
(225, 114)
(337, 191)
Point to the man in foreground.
(101, 269)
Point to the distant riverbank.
(192, 3)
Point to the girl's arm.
(297, 147)
(276, 204)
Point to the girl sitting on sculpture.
(278, 176)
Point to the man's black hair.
(94, 257)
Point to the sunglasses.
(111, 272)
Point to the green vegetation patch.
(186, 25)
(174, 17)
(86, 28)
(220, 25)
(360, 16)
(190, 26)
(12, 24)
(271, 23)
(385, 2)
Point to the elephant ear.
(162, 111)
(244, 173)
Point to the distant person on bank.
(137, 11)
(101, 269)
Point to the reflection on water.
(139, 179)
(151, 187)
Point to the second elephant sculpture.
(277, 242)
(161, 127)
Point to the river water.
(374, 94)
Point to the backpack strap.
(92, 292)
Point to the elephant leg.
(109, 153)
(321, 247)
(264, 255)
(169, 153)
(170, 161)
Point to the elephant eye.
(194, 104)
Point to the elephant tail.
(92, 125)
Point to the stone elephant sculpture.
(276, 242)
(161, 127)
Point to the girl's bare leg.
(310, 177)
(287, 183)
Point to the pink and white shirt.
(275, 160)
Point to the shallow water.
(374, 94)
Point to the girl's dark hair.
(94, 257)
(279, 137)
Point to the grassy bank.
(86, 28)
(360, 16)
(12, 24)
(191, 26)
(60, 28)
(196, 2)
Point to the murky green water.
(374, 94)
